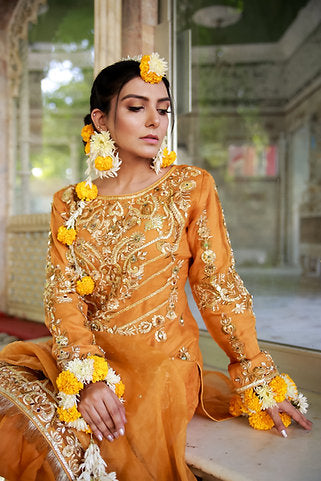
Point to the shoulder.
(200, 178)
(65, 199)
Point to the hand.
(288, 408)
(102, 410)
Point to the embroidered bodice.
(139, 249)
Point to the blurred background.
(246, 78)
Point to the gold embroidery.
(36, 399)
(218, 289)
(229, 329)
(120, 239)
(184, 354)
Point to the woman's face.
(138, 121)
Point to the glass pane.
(254, 124)
(54, 98)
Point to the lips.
(150, 139)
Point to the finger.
(274, 413)
(114, 409)
(101, 427)
(295, 414)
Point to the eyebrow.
(141, 97)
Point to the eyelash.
(160, 111)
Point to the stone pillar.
(139, 20)
(24, 132)
(4, 167)
(108, 48)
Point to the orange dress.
(139, 249)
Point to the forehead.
(137, 86)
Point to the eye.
(135, 109)
(163, 111)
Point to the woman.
(120, 251)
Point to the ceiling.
(262, 21)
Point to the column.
(108, 48)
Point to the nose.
(152, 119)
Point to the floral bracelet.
(78, 373)
(254, 401)
(73, 379)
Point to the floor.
(287, 305)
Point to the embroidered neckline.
(139, 192)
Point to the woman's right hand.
(103, 411)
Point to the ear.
(99, 120)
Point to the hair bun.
(87, 119)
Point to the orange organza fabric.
(139, 249)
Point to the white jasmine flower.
(79, 424)
(67, 401)
(266, 396)
(101, 143)
(82, 368)
(292, 391)
(94, 467)
(301, 403)
(112, 377)
(157, 65)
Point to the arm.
(65, 309)
(73, 342)
(224, 302)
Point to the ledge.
(233, 451)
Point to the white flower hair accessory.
(152, 68)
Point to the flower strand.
(253, 402)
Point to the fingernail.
(121, 432)
(283, 432)
(99, 436)
(110, 438)
(116, 435)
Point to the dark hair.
(109, 83)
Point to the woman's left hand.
(288, 408)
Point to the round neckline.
(139, 192)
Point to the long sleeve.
(65, 309)
(224, 302)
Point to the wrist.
(81, 375)
(254, 402)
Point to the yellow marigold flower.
(66, 236)
(119, 389)
(86, 192)
(85, 286)
(168, 158)
(261, 421)
(103, 163)
(87, 148)
(68, 383)
(251, 401)
(152, 68)
(286, 419)
(146, 74)
(235, 407)
(279, 387)
(100, 368)
(86, 132)
(68, 415)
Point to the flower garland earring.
(163, 158)
(152, 70)
(102, 158)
